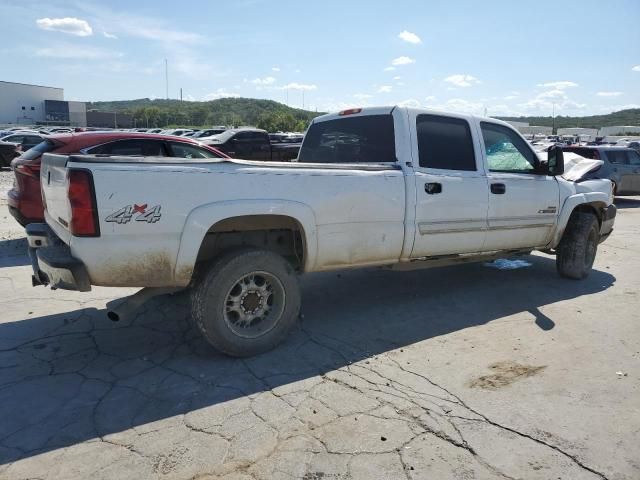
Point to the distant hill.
(623, 117)
(273, 116)
(266, 114)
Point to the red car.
(25, 201)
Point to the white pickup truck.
(387, 186)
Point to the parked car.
(621, 166)
(252, 144)
(178, 132)
(397, 187)
(26, 140)
(635, 145)
(8, 151)
(209, 132)
(25, 202)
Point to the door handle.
(433, 188)
(498, 188)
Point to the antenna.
(166, 77)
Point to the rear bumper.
(52, 261)
(608, 219)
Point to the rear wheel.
(246, 302)
(577, 249)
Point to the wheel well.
(595, 208)
(278, 233)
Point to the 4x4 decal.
(125, 214)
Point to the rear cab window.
(361, 139)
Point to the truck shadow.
(13, 252)
(75, 376)
(621, 202)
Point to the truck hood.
(576, 167)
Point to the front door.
(451, 187)
(523, 203)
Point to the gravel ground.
(465, 372)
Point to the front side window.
(364, 139)
(445, 143)
(634, 158)
(184, 150)
(506, 150)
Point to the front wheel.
(247, 302)
(577, 249)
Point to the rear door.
(634, 162)
(523, 203)
(621, 165)
(451, 186)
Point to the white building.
(23, 103)
(619, 130)
(591, 132)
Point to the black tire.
(223, 296)
(577, 249)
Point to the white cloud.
(402, 61)
(609, 94)
(263, 81)
(362, 96)
(545, 102)
(553, 94)
(462, 80)
(636, 68)
(220, 93)
(511, 97)
(389, 69)
(409, 37)
(299, 86)
(275, 69)
(109, 35)
(430, 98)
(410, 102)
(74, 52)
(558, 85)
(385, 89)
(397, 77)
(70, 25)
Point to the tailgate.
(53, 181)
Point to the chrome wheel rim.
(254, 304)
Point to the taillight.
(84, 214)
(30, 170)
(350, 111)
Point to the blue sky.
(508, 57)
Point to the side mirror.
(555, 161)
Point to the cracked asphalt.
(463, 372)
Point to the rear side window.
(133, 147)
(445, 143)
(365, 139)
(35, 152)
(617, 156)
